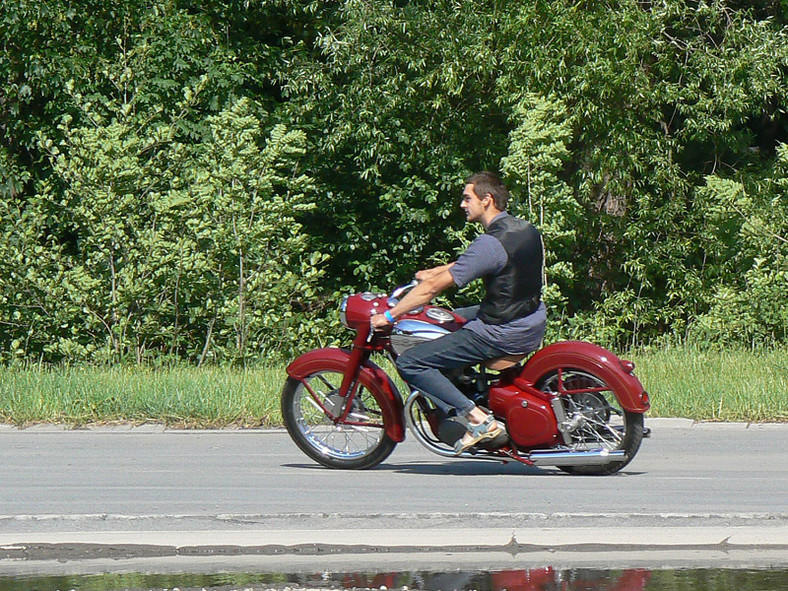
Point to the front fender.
(592, 358)
(372, 376)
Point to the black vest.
(516, 290)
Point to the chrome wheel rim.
(344, 441)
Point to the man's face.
(473, 206)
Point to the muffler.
(594, 457)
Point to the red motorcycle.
(572, 404)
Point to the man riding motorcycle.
(511, 319)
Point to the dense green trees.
(197, 180)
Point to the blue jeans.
(422, 365)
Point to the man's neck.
(489, 216)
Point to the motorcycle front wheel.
(597, 419)
(312, 409)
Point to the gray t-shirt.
(487, 256)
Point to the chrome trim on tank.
(419, 328)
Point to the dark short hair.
(489, 182)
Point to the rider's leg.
(422, 365)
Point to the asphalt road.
(682, 468)
(691, 485)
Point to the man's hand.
(379, 321)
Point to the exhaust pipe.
(595, 457)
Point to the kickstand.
(511, 452)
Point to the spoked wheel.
(312, 409)
(594, 418)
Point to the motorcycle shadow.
(485, 468)
(466, 468)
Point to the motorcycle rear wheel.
(358, 443)
(602, 422)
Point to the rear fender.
(592, 358)
(377, 380)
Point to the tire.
(358, 446)
(602, 422)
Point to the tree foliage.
(198, 180)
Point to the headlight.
(343, 312)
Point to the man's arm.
(422, 294)
(427, 273)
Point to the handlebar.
(393, 299)
(398, 291)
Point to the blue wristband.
(388, 316)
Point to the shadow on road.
(466, 468)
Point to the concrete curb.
(289, 543)
(411, 540)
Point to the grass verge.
(706, 386)
(723, 385)
(178, 397)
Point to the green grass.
(716, 386)
(707, 386)
(182, 397)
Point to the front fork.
(359, 354)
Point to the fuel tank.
(408, 333)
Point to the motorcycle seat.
(505, 362)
